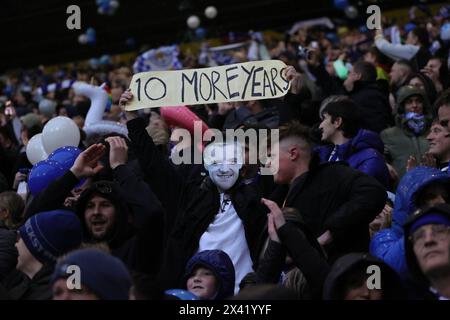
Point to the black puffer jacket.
(335, 197)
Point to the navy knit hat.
(48, 235)
(431, 218)
(436, 214)
(103, 274)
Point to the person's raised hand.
(87, 163)
(294, 78)
(272, 229)
(275, 211)
(18, 178)
(126, 98)
(118, 151)
(325, 238)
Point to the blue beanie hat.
(104, 275)
(50, 234)
(431, 218)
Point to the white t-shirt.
(227, 233)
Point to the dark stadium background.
(34, 32)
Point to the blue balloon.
(91, 39)
(105, 59)
(90, 31)
(105, 7)
(409, 27)
(94, 63)
(65, 156)
(42, 174)
(341, 4)
(181, 294)
(200, 33)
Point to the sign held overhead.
(237, 82)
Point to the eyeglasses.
(439, 232)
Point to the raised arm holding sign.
(231, 83)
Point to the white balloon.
(35, 149)
(211, 12)
(193, 22)
(82, 39)
(47, 107)
(351, 12)
(114, 4)
(60, 132)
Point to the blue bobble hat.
(48, 235)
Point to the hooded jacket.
(406, 92)
(388, 244)
(363, 152)
(111, 191)
(220, 264)
(135, 239)
(400, 142)
(139, 225)
(334, 288)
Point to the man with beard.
(123, 214)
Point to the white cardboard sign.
(237, 82)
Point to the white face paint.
(223, 162)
